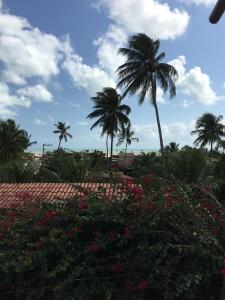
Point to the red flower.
(83, 206)
(147, 179)
(129, 288)
(69, 234)
(127, 232)
(143, 285)
(223, 272)
(111, 235)
(117, 267)
(78, 229)
(93, 247)
(151, 206)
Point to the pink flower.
(93, 247)
(143, 285)
(83, 206)
(129, 288)
(69, 234)
(117, 267)
(223, 272)
(127, 232)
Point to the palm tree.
(62, 131)
(143, 72)
(209, 129)
(127, 136)
(111, 113)
(13, 140)
(172, 147)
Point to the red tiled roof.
(16, 194)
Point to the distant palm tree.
(209, 129)
(143, 72)
(172, 147)
(127, 136)
(62, 131)
(13, 140)
(111, 113)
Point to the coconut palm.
(127, 136)
(62, 131)
(143, 72)
(210, 130)
(111, 114)
(172, 147)
(13, 140)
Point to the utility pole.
(43, 151)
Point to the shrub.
(162, 241)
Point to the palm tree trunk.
(111, 155)
(107, 147)
(60, 140)
(125, 155)
(159, 127)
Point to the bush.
(161, 242)
(19, 171)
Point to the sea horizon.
(115, 151)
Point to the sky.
(55, 55)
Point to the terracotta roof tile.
(16, 194)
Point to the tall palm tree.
(172, 147)
(209, 129)
(62, 131)
(13, 140)
(143, 72)
(111, 114)
(127, 136)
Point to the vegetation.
(111, 113)
(13, 140)
(165, 241)
(143, 72)
(210, 130)
(62, 130)
(126, 136)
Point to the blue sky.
(54, 55)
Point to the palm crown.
(62, 131)
(13, 140)
(126, 136)
(111, 114)
(143, 71)
(209, 129)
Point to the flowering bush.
(155, 241)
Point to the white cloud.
(150, 16)
(82, 123)
(39, 122)
(186, 103)
(27, 52)
(148, 133)
(200, 2)
(194, 83)
(108, 44)
(90, 78)
(76, 105)
(6, 113)
(37, 92)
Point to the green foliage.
(147, 163)
(164, 242)
(187, 165)
(13, 140)
(210, 130)
(17, 171)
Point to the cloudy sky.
(55, 55)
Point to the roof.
(16, 194)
